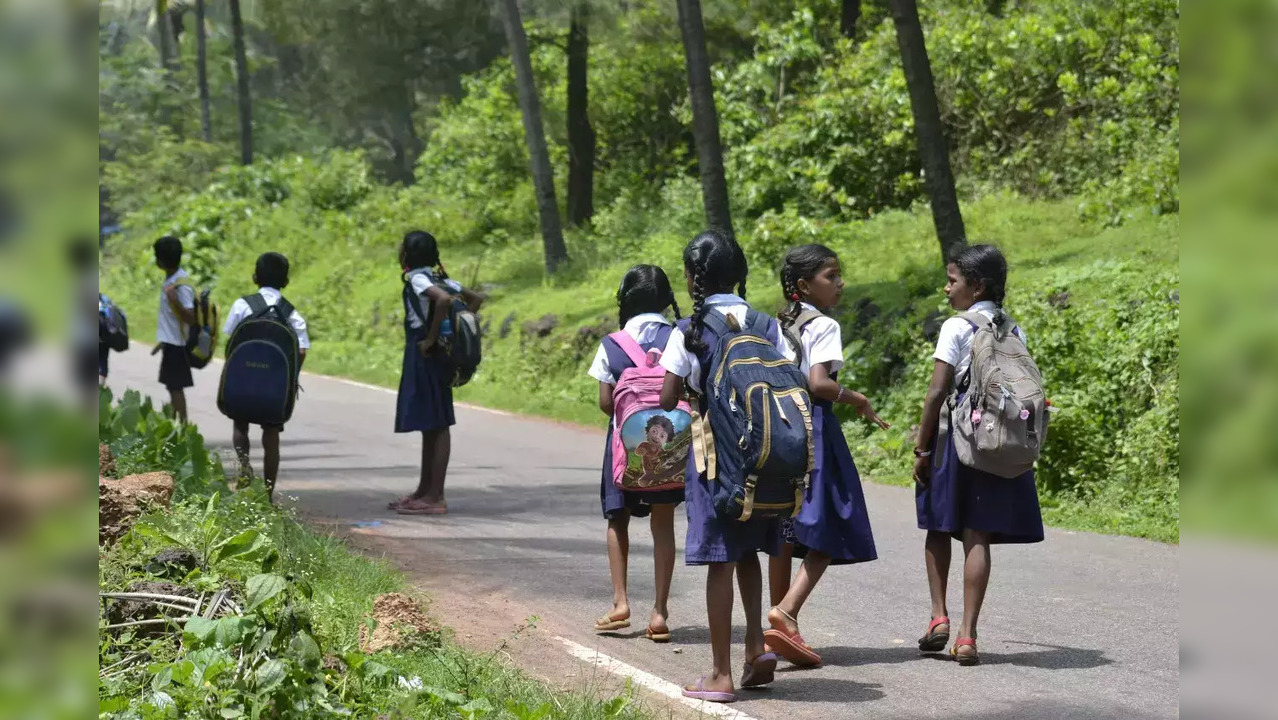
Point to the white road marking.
(648, 680)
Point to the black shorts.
(267, 426)
(175, 368)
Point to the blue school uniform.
(713, 539)
(425, 400)
(613, 499)
(958, 497)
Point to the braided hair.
(715, 264)
(420, 249)
(801, 263)
(644, 289)
(984, 264)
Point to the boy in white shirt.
(175, 318)
(271, 276)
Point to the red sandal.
(967, 660)
(934, 641)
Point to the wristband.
(922, 453)
(839, 397)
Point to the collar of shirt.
(420, 271)
(983, 306)
(175, 277)
(809, 306)
(267, 292)
(725, 299)
(634, 324)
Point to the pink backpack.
(649, 446)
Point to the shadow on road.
(817, 690)
(1051, 657)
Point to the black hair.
(986, 265)
(644, 289)
(716, 264)
(663, 421)
(271, 270)
(168, 252)
(420, 249)
(801, 263)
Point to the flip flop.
(608, 623)
(760, 671)
(421, 508)
(790, 645)
(701, 693)
(395, 504)
(934, 641)
(657, 637)
(965, 660)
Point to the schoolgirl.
(832, 527)
(715, 267)
(425, 402)
(952, 500)
(642, 298)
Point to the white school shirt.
(954, 346)
(822, 341)
(642, 328)
(422, 280)
(168, 328)
(678, 360)
(240, 310)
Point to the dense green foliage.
(1063, 123)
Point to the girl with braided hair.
(715, 269)
(642, 299)
(832, 527)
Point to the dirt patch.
(121, 501)
(132, 610)
(106, 462)
(400, 621)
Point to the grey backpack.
(1001, 424)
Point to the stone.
(122, 500)
(106, 462)
(542, 326)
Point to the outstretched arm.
(824, 387)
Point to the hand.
(156, 350)
(923, 470)
(424, 347)
(862, 406)
(171, 292)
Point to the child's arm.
(605, 398)
(472, 299)
(441, 301)
(942, 376)
(185, 314)
(671, 391)
(823, 387)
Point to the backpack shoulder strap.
(715, 322)
(976, 320)
(414, 301)
(662, 338)
(802, 320)
(257, 303)
(628, 346)
(285, 307)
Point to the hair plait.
(716, 264)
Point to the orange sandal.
(788, 645)
(965, 659)
(933, 640)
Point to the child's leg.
(663, 562)
(719, 615)
(976, 578)
(618, 560)
(439, 466)
(177, 398)
(810, 572)
(936, 554)
(750, 582)
(428, 465)
(270, 458)
(779, 568)
(240, 441)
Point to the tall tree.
(538, 157)
(705, 120)
(928, 131)
(581, 137)
(850, 15)
(164, 27)
(242, 83)
(202, 73)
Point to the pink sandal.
(973, 658)
(934, 641)
(418, 507)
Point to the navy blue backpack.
(757, 451)
(259, 378)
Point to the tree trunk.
(847, 21)
(164, 27)
(242, 82)
(930, 135)
(581, 137)
(705, 120)
(202, 73)
(538, 157)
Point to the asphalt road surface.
(1080, 626)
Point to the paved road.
(1081, 626)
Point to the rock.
(106, 463)
(400, 621)
(1059, 300)
(120, 501)
(542, 326)
(505, 326)
(174, 563)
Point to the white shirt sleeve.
(299, 326)
(186, 296)
(823, 342)
(599, 369)
(952, 343)
(675, 358)
(421, 283)
(239, 310)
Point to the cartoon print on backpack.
(656, 448)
